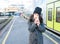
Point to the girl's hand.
(37, 22)
(36, 19)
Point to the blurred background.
(19, 10)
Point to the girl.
(36, 27)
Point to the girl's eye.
(35, 17)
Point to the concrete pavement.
(18, 33)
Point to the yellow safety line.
(3, 42)
(50, 38)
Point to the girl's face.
(36, 16)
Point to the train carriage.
(53, 15)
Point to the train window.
(58, 14)
(50, 14)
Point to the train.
(53, 15)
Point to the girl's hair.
(31, 19)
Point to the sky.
(5, 3)
(28, 4)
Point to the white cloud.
(3, 4)
(28, 4)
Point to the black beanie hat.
(38, 10)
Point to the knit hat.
(38, 10)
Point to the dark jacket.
(36, 33)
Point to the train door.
(57, 16)
(50, 13)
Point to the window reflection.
(58, 14)
(50, 14)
